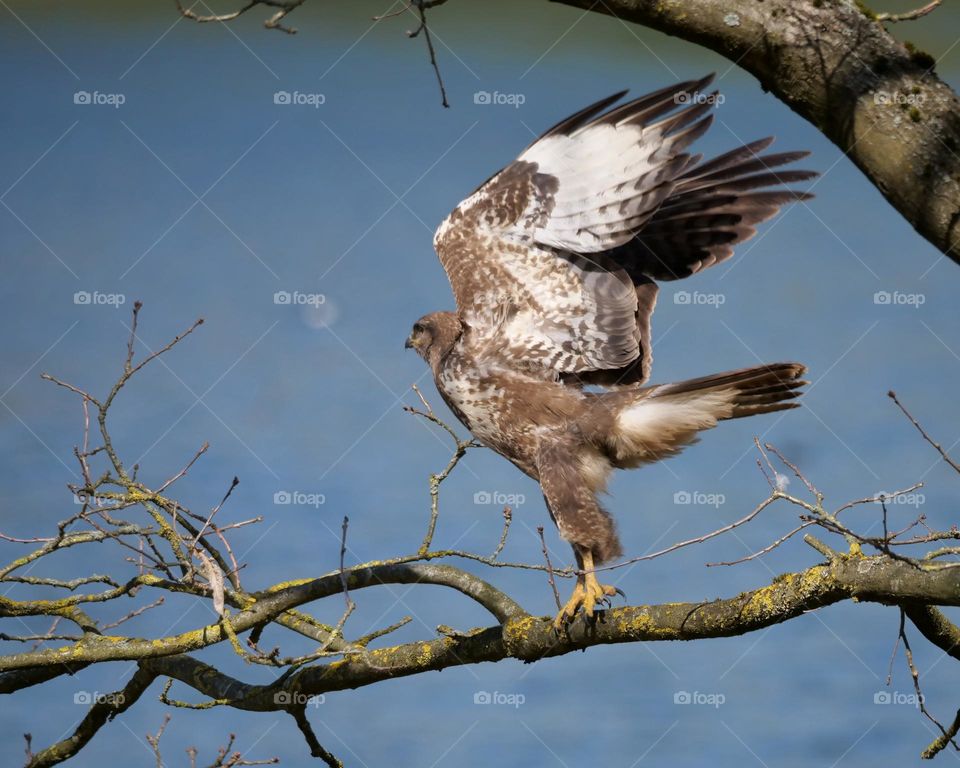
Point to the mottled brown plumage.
(553, 263)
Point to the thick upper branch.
(837, 66)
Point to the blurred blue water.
(341, 200)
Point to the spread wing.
(714, 205)
(545, 258)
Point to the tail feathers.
(756, 390)
(660, 421)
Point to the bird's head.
(434, 335)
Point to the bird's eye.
(417, 328)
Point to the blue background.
(341, 200)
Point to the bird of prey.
(553, 263)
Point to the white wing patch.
(602, 174)
(612, 174)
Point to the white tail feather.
(653, 428)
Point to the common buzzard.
(553, 263)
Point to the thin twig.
(946, 457)
(419, 9)
(343, 573)
(796, 471)
(697, 539)
(182, 472)
(768, 548)
(546, 556)
(910, 15)
(908, 652)
(143, 609)
(507, 519)
(202, 532)
(274, 22)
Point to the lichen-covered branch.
(530, 638)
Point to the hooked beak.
(408, 344)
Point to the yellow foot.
(586, 594)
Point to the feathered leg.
(571, 498)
